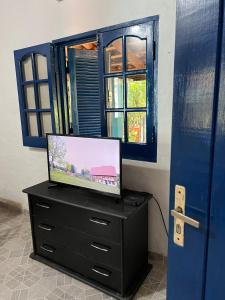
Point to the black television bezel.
(78, 186)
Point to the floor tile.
(22, 278)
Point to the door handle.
(185, 219)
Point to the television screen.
(87, 162)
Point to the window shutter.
(84, 71)
(36, 92)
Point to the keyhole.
(179, 209)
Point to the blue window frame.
(137, 122)
(38, 107)
(127, 64)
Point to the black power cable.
(163, 220)
(134, 198)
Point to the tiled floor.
(22, 278)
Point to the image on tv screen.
(92, 163)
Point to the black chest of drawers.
(91, 237)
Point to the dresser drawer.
(105, 276)
(91, 222)
(45, 209)
(97, 249)
(63, 256)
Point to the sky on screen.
(89, 153)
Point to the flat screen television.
(88, 162)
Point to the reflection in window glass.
(43, 92)
(136, 91)
(32, 124)
(41, 66)
(114, 92)
(113, 57)
(29, 96)
(136, 123)
(27, 69)
(46, 123)
(115, 124)
(136, 53)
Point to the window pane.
(115, 124)
(136, 53)
(114, 92)
(27, 72)
(29, 96)
(136, 122)
(46, 123)
(43, 92)
(136, 91)
(113, 57)
(41, 66)
(32, 124)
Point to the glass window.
(136, 91)
(136, 123)
(35, 90)
(128, 94)
(32, 124)
(29, 96)
(114, 92)
(113, 57)
(115, 124)
(41, 67)
(136, 53)
(46, 123)
(106, 86)
(43, 92)
(27, 72)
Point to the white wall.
(29, 22)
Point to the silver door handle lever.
(185, 219)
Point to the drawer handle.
(99, 221)
(100, 247)
(47, 248)
(103, 273)
(45, 227)
(43, 205)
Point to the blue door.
(215, 287)
(197, 66)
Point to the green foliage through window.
(136, 92)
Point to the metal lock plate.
(179, 205)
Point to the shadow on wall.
(154, 181)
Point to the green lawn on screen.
(73, 180)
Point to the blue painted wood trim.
(215, 267)
(148, 151)
(74, 112)
(93, 33)
(45, 50)
(196, 57)
(150, 154)
(35, 142)
(63, 88)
